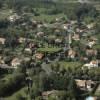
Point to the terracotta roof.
(15, 62)
(39, 55)
(94, 62)
(71, 53)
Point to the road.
(46, 68)
(78, 1)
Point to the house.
(85, 59)
(1, 60)
(34, 22)
(57, 19)
(91, 52)
(15, 62)
(40, 34)
(93, 63)
(65, 26)
(46, 94)
(71, 53)
(45, 25)
(57, 30)
(93, 38)
(91, 25)
(58, 40)
(14, 17)
(76, 37)
(85, 84)
(91, 98)
(28, 50)
(21, 40)
(91, 43)
(78, 30)
(39, 56)
(39, 26)
(32, 45)
(73, 22)
(2, 40)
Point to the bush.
(11, 85)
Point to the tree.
(20, 97)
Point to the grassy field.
(71, 65)
(4, 13)
(97, 92)
(48, 18)
(97, 46)
(14, 96)
(49, 50)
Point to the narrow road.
(78, 1)
(46, 68)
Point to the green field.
(48, 17)
(71, 65)
(4, 13)
(49, 50)
(20, 92)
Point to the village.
(56, 54)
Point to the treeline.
(11, 85)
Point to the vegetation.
(45, 46)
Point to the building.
(76, 37)
(91, 52)
(91, 43)
(90, 26)
(40, 34)
(14, 17)
(52, 93)
(91, 98)
(93, 63)
(71, 53)
(1, 60)
(28, 50)
(39, 56)
(2, 40)
(15, 62)
(21, 40)
(85, 84)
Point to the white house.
(93, 63)
(91, 43)
(15, 62)
(13, 17)
(2, 40)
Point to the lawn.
(97, 92)
(71, 65)
(48, 18)
(49, 50)
(4, 13)
(14, 96)
(97, 46)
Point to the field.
(49, 50)
(15, 95)
(4, 13)
(71, 65)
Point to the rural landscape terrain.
(49, 49)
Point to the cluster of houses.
(71, 32)
(65, 38)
